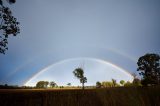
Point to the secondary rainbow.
(72, 59)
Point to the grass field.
(123, 96)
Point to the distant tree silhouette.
(69, 84)
(79, 73)
(106, 84)
(42, 84)
(52, 84)
(128, 83)
(149, 67)
(122, 82)
(8, 25)
(114, 82)
(98, 84)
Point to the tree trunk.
(83, 86)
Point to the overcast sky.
(115, 31)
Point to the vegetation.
(8, 25)
(79, 73)
(136, 82)
(110, 93)
(119, 96)
(128, 83)
(149, 68)
(52, 84)
(9, 1)
(98, 84)
(42, 84)
(122, 82)
(114, 82)
(69, 84)
(106, 84)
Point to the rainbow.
(72, 59)
(22, 66)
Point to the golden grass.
(122, 96)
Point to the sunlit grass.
(120, 96)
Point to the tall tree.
(114, 82)
(79, 73)
(8, 25)
(149, 68)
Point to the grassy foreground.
(129, 96)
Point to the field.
(122, 96)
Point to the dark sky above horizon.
(82, 31)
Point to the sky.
(105, 36)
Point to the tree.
(122, 82)
(42, 84)
(8, 25)
(149, 68)
(136, 82)
(128, 83)
(79, 73)
(83, 80)
(9, 1)
(114, 82)
(52, 84)
(98, 84)
(106, 84)
(69, 84)
(134, 75)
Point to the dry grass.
(129, 96)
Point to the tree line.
(148, 68)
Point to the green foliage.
(126, 96)
(128, 83)
(52, 84)
(136, 82)
(69, 84)
(149, 68)
(98, 84)
(106, 84)
(83, 80)
(9, 1)
(8, 25)
(42, 84)
(122, 82)
(114, 82)
(79, 73)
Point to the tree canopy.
(79, 73)
(149, 68)
(52, 84)
(42, 84)
(122, 82)
(8, 25)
